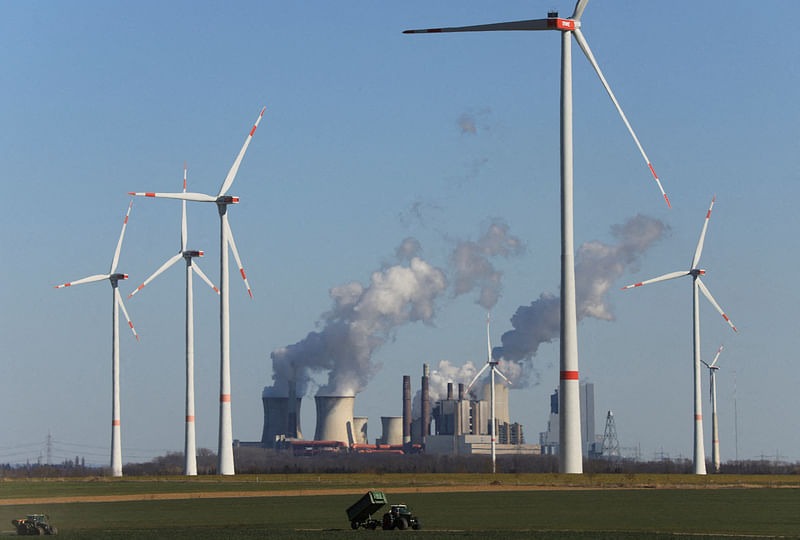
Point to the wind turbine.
(712, 371)
(225, 453)
(116, 303)
(492, 365)
(190, 449)
(697, 285)
(570, 454)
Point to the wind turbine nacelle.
(192, 253)
(557, 23)
(227, 199)
(117, 277)
(697, 272)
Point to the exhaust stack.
(406, 409)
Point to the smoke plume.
(471, 266)
(597, 266)
(361, 320)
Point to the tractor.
(35, 524)
(400, 517)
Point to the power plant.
(461, 423)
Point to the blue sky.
(370, 137)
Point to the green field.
(601, 506)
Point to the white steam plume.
(597, 266)
(471, 266)
(360, 321)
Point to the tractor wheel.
(387, 522)
(354, 525)
(402, 524)
(416, 525)
(53, 530)
(39, 530)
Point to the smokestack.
(406, 409)
(293, 427)
(460, 391)
(392, 430)
(449, 391)
(334, 418)
(426, 404)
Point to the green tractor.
(34, 524)
(400, 517)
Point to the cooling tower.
(360, 430)
(426, 403)
(334, 418)
(276, 419)
(392, 429)
(406, 409)
(500, 401)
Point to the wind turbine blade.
(588, 52)
(671, 275)
(172, 260)
(236, 257)
(90, 279)
(579, 7)
(235, 167)
(198, 197)
(503, 376)
(533, 24)
(119, 242)
(705, 363)
(125, 312)
(486, 365)
(184, 228)
(699, 250)
(706, 292)
(203, 276)
(716, 357)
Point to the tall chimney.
(291, 427)
(449, 391)
(406, 409)
(461, 391)
(426, 404)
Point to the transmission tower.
(610, 441)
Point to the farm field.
(449, 506)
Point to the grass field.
(602, 506)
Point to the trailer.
(360, 513)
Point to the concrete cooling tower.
(276, 419)
(360, 430)
(392, 430)
(335, 418)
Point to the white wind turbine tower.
(697, 285)
(712, 371)
(116, 304)
(190, 449)
(492, 364)
(225, 452)
(570, 454)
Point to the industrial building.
(548, 440)
(461, 424)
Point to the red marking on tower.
(115, 423)
(225, 398)
(569, 375)
(190, 418)
(698, 417)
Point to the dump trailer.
(360, 513)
